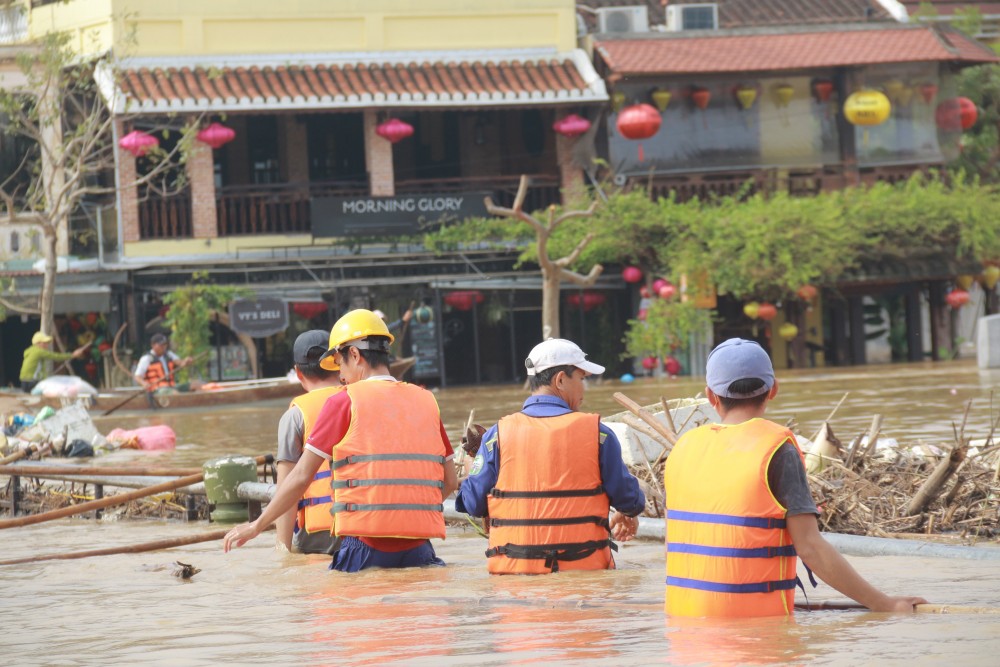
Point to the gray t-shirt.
(291, 428)
(787, 478)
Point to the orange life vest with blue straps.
(729, 552)
(156, 377)
(548, 511)
(388, 471)
(314, 507)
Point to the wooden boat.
(221, 393)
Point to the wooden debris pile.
(37, 497)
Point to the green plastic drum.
(222, 477)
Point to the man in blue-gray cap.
(739, 509)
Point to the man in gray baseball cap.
(546, 476)
(739, 510)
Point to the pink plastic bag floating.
(149, 438)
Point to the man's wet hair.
(380, 357)
(545, 378)
(744, 386)
(314, 371)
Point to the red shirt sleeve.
(332, 424)
(448, 449)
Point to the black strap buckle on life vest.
(552, 554)
(568, 521)
(567, 493)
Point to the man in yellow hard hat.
(38, 360)
(389, 453)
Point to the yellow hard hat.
(355, 325)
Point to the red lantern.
(216, 135)
(632, 274)
(766, 311)
(91, 319)
(956, 114)
(658, 285)
(701, 97)
(807, 292)
(642, 315)
(928, 91)
(571, 126)
(671, 365)
(637, 122)
(394, 130)
(649, 363)
(91, 369)
(644, 292)
(464, 300)
(309, 309)
(823, 90)
(104, 347)
(667, 292)
(138, 143)
(957, 298)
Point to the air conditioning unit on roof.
(623, 19)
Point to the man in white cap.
(739, 509)
(38, 360)
(546, 477)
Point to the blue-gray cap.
(738, 359)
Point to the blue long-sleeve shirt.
(622, 488)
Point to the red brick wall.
(570, 175)
(128, 198)
(378, 158)
(201, 174)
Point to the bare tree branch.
(573, 256)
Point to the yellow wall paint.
(287, 35)
(191, 27)
(463, 32)
(225, 245)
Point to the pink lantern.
(642, 315)
(464, 300)
(394, 130)
(649, 363)
(667, 292)
(644, 292)
(138, 143)
(671, 365)
(632, 274)
(216, 135)
(658, 284)
(588, 300)
(571, 126)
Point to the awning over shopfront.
(412, 79)
(761, 50)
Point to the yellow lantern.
(661, 98)
(867, 107)
(751, 309)
(617, 101)
(788, 331)
(965, 282)
(746, 96)
(893, 88)
(783, 94)
(991, 274)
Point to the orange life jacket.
(156, 377)
(728, 550)
(314, 508)
(388, 471)
(549, 511)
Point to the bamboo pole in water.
(69, 470)
(128, 549)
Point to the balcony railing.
(542, 190)
(165, 217)
(13, 24)
(275, 209)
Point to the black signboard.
(405, 214)
(423, 339)
(258, 318)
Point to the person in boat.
(157, 368)
(395, 325)
(548, 475)
(739, 509)
(39, 358)
(308, 527)
(391, 459)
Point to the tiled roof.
(801, 49)
(443, 79)
(749, 13)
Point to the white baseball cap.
(379, 314)
(559, 352)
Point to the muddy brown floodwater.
(257, 606)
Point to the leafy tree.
(59, 114)
(190, 315)
(667, 329)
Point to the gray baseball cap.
(738, 359)
(309, 347)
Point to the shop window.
(262, 133)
